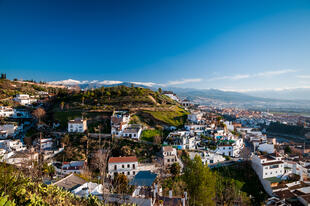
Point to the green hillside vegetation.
(119, 97)
(148, 135)
(9, 88)
(150, 108)
(20, 190)
(243, 177)
(176, 116)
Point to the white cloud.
(274, 73)
(234, 77)
(246, 76)
(68, 82)
(303, 76)
(148, 84)
(183, 81)
(110, 82)
(267, 89)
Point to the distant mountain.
(272, 99)
(94, 84)
(286, 94)
(217, 95)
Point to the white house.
(195, 117)
(207, 157)
(183, 139)
(77, 125)
(172, 96)
(71, 167)
(229, 125)
(195, 127)
(269, 148)
(169, 155)
(16, 145)
(186, 103)
(231, 149)
(123, 165)
(46, 143)
(133, 131)
(8, 130)
(12, 145)
(88, 188)
(24, 99)
(6, 111)
(20, 158)
(267, 166)
(119, 122)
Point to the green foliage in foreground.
(245, 179)
(200, 182)
(21, 190)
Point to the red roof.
(123, 159)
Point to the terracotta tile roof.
(167, 149)
(123, 159)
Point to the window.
(128, 166)
(274, 166)
(128, 173)
(115, 167)
(134, 172)
(123, 166)
(133, 166)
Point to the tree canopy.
(200, 182)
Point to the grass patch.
(175, 117)
(148, 135)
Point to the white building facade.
(123, 165)
(77, 125)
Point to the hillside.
(149, 107)
(8, 89)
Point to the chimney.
(301, 177)
(170, 193)
(294, 168)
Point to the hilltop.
(148, 107)
(9, 88)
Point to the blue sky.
(232, 45)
